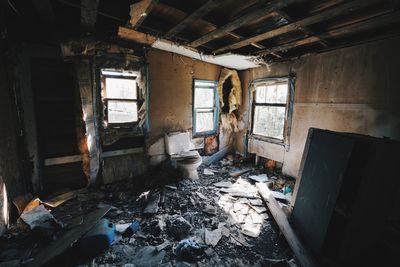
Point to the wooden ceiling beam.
(323, 16)
(89, 10)
(305, 30)
(243, 20)
(139, 12)
(375, 22)
(199, 13)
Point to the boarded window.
(120, 97)
(205, 109)
(270, 109)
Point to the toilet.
(182, 154)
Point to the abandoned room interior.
(199, 133)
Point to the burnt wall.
(354, 89)
(171, 90)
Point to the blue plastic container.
(97, 240)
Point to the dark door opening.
(56, 117)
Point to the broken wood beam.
(323, 16)
(212, 24)
(139, 12)
(56, 247)
(138, 37)
(350, 29)
(305, 30)
(304, 257)
(243, 20)
(89, 14)
(199, 13)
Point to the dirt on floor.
(218, 220)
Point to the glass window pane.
(198, 83)
(122, 111)
(274, 93)
(269, 121)
(121, 88)
(203, 98)
(204, 121)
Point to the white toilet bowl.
(189, 167)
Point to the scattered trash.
(98, 239)
(152, 204)
(237, 173)
(223, 184)
(212, 237)
(210, 210)
(37, 216)
(208, 172)
(259, 178)
(189, 250)
(163, 245)
(148, 257)
(178, 227)
(131, 229)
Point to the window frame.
(288, 108)
(105, 101)
(215, 109)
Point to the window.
(120, 97)
(270, 104)
(205, 107)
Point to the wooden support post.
(302, 254)
(83, 73)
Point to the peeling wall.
(171, 90)
(353, 89)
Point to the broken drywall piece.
(37, 216)
(223, 184)
(208, 172)
(212, 237)
(259, 178)
(152, 204)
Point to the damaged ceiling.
(253, 32)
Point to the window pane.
(269, 121)
(203, 98)
(198, 83)
(275, 93)
(122, 111)
(120, 88)
(204, 121)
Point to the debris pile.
(218, 220)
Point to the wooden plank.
(243, 20)
(305, 30)
(62, 160)
(122, 152)
(138, 37)
(83, 74)
(140, 10)
(301, 252)
(89, 13)
(60, 199)
(56, 247)
(350, 29)
(213, 25)
(199, 13)
(323, 16)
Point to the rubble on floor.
(218, 220)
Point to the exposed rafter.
(140, 10)
(361, 26)
(323, 16)
(243, 20)
(89, 13)
(199, 13)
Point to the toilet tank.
(178, 142)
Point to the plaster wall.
(353, 89)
